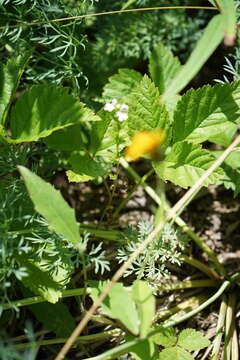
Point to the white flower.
(124, 108)
(122, 116)
(111, 106)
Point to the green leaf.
(120, 85)
(209, 113)
(41, 282)
(70, 138)
(128, 3)
(142, 295)
(145, 110)
(54, 317)
(185, 164)
(191, 339)
(163, 67)
(175, 353)
(108, 137)
(145, 350)
(118, 305)
(229, 9)
(85, 168)
(10, 75)
(44, 109)
(166, 337)
(51, 205)
(211, 38)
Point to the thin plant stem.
(79, 17)
(219, 330)
(80, 339)
(189, 284)
(170, 216)
(202, 267)
(229, 327)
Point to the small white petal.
(109, 107)
(124, 107)
(114, 102)
(122, 116)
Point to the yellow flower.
(144, 142)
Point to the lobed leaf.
(191, 339)
(175, 353)
(44, 109)
(166, 337)
(185, 164)
(51, 205)
(209, 113)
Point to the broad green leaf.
(209, 113)
(211, 38)
(163, 67)
(108, 137)
(54, 317)
(70, 138)
(118, 304)
(185, 164)
(44, 109)
(51, 205)
(191, 339)
(166, 337)
(228, 9)
(120, 85)
(145, 110)
(143, 297)
(10, 75)
(175, 353)
(145, 350)
(41, 282)
(85, 168)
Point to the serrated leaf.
(143, 297)
(163, 67)
(44, 109)
(51, 205)
(228, 8)
(209, 113)
(70, 138)
(185, 164)
(10, 75)
(54, 317)
(191, 339)
(118, 304)
(85, 168)
(41, 282)
(175, 353)
(166, 337)
(145, 110)
(211, 38)
(120, 85)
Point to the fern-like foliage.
(152, 263)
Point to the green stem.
(188, 285)
(202, 267)
(80, 339)
(39, 299)
(219, 330)
(229, 327)
(178, 220)
(213, 298)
